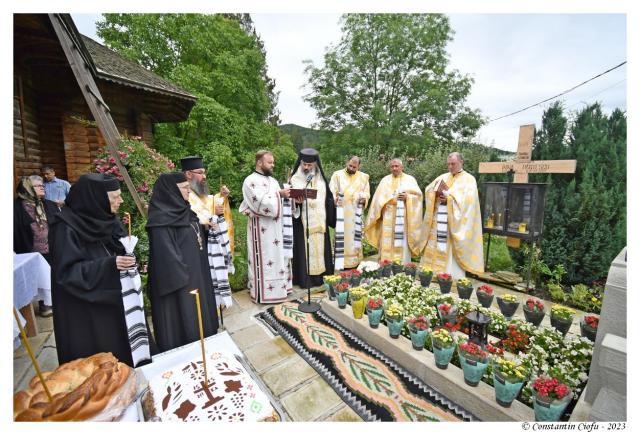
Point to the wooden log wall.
(51, 137)
(27, 149)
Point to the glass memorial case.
(513, 209)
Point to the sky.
(516, 60)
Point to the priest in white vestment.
(452, 229)
(269, 233)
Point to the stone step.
(609, 406)
(613, 363)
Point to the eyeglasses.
(38, 185)
(199, 172)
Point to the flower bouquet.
(508, 305)
(393, 316)
(484, 293)
(551, 398)
(410, 269)
(374, 311)
(331, 281)
(345, 276)
(508, 379)
(447, 313)
(533, 311)
(418, 329)
(474, 362)
(561, 318)
(589, 327)
(369, 269)
(425, 274)
(356, 276)
(443, 347)
(358, 296)
(396, 266)
(385, 268)
(445, 282)
(465, 288)
(342, 294)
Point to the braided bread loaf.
(80, 389)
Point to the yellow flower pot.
(358, 307)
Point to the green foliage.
(499, 258)
(387, 84)
(557, 293)
(220, 60)
(239, 279)
(585, 213)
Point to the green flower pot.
(587, 331)
(342, 298)
(374, 317)
(546, 409)
(472, 369)
(506, 389)
(442, 355)
(395, 327)
(418, 337)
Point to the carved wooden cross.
(523, 165)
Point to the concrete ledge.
(479, 400)
(609, 406)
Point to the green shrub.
(580, 297)
(557, 293)
(239, 280)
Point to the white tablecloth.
(31, 279)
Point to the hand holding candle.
(204, 359)
(128, 216)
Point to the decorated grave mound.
(537, 351)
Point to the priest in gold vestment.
(351, 192)
(395, 216)
(452, 228)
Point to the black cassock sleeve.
(167, 270)
(94, 280)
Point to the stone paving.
(303, 394)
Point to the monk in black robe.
(308, 172)
(177, 264)
(86, 259)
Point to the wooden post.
(98, 107)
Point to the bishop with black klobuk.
(321, 214)
(177, 265)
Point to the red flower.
(345, 274)
(411, 265)
(342, 287)
(473, 349)
(385, 262)
(356, 272)
(592, 321)
(444, 276)
(444, 309)
(374, 304)
(534, 304)
(420, 323)
(494, 350)
(550, 387)
(486, 289)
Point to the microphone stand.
(308, 306)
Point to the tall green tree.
(387, 83)
(220, 59)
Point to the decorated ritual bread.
(179, 394)
(97, 388)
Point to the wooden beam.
(99, 109)
(534, 167)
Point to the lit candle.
(129, 222)
(25, 342)
(204, 359)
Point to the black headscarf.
(167, 207)
(88, 210)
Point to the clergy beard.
(267, 172)
(349, 171)
(200, 189)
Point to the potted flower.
(551, 398)
(369, 269)
(447, 313)
(465, 288)
(342, 294)
(396, 266)
(589, 327)
(425, 274)
(484, 293)
(508, 305)
(561, 318)
(418, 329)
(410, 269)
(393, 316)
(356, 276)
(474, 362)
(385, 268)
(443, 347)
(493, 351)
(508, 379)
(445, 282)
(358, 296)
(533, 311)
(374, 311)
(345, 276)
(331, 281)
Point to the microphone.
(309, 178)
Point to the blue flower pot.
(550, 410)
(374, 317)
(418, 337)
(395, 327)
(342, 299)
(473, 370)
(506, 391)
(442, 355)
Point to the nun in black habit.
(87, 257)
(299, 180)
(178, 264)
